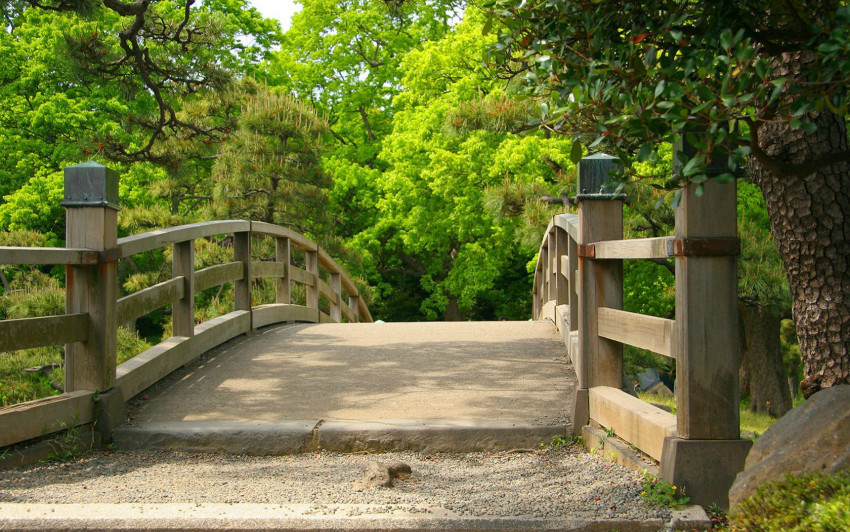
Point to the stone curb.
(261, 438)
(54, 517)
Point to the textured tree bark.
(762, 372)
(810, 219)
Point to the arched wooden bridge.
(286, 377)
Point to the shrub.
(809, 502)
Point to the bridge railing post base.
(703, 470)
(581, 410)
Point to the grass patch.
(20, 386)
(750, 421)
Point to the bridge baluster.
(311, 264)
(242, 287)
(183, 310)
(283, 252)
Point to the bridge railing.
(96, 391)
(579, 285)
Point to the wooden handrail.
(25, 255)
(90, 332)
(131, 245)
(583, 253)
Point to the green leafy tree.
(448, 215)
(153, 53)
(269, 169)
(345, 58)
(764, 81)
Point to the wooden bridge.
(577, 291)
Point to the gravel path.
(551, 484)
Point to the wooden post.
(708, 452)
(242, 287)
(336, 288)
(91, 200)
(311, 264)
(562, 291)
(600, 217)
(574, 281)
(554, 258)
(183, 310)
(707, 319)
(354, 303)
(282, 286)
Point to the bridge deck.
(383, 386)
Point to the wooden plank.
(25, 421)
(149, 299)
(28, 333)
(569, 223)
(326, 291)
(644, 332)
(707, 393)
(142, 242)
(298, 275)
(267, 269)
(298, 239)
(277, 313)
(638, 248)
(349, 311)
(639, 423)
(331, 266)
(148, 367)
(324, 318)
(363, 313)
(218, 275)
(26, 255)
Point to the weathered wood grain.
(644, 332)
(149, 299)
(27, 333)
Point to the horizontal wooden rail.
(639, 423)
(218, 275)
(567, 222)
(638, 248)
(297, 239)
(644, 332)
(325, 290)
(302, 276)
(149, 299)
(140, 243)
(268, 269)
(28, 333)
(23, 255)
(30, 420)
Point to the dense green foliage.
(376, 129)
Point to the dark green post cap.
(91, 185)
(593, 173)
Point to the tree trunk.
(453, 312)
(762, 372)
(810, 219)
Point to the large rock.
(814, 437)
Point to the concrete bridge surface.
(463, 386)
